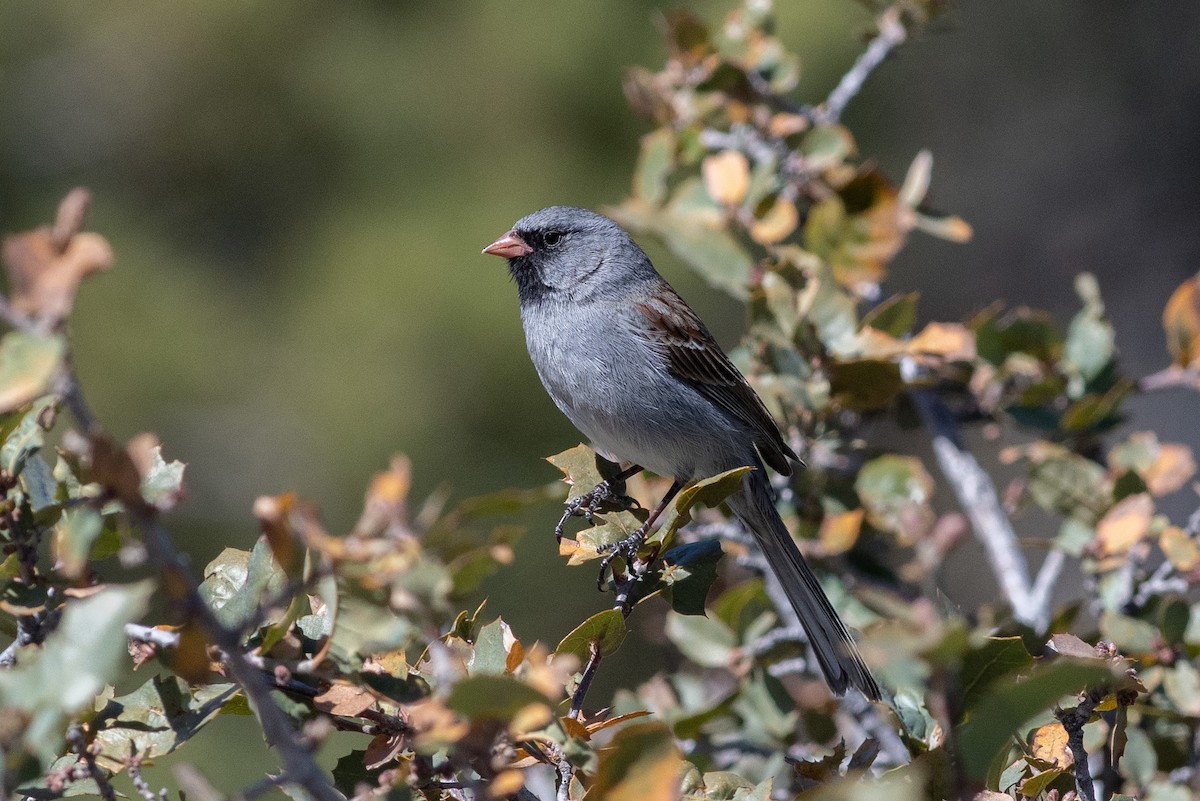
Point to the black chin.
(530, 288)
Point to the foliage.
(365, 632)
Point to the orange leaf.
(604, 724)
(777, 224)
(1171, 469)
(1124, 524)
(839, 532)
(1181, 322)
(1050, 745)
(951, 341)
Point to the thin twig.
(77, 740)
(891, 35)
(585, 681)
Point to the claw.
(626, 549)
(589, 503)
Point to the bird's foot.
(626, 549)
(589, 503)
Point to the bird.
(634, 368)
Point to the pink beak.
(510, 246)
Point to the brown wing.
(695, 357)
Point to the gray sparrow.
(634, 368)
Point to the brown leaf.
(113, 468)
(1181, 323)
(1050, 745)
(344, 698)
(45, 266)
(274, 517)
(385, 508)
(1124, 524)
(726, 176)
(382, 749)
(1070, 645)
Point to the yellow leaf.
(1181, 323)
(1124, 524)
(777, 224)
(726, 176)
(506, 783)
(1050, 745)
(642, 764)
(1179, 547)
(839, 532)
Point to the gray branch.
(891, 35)
(978, 498)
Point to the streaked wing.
(695, 357)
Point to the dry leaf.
(1181, 323)
(343, 698)
(777, 224)
(726, 177)
(1124, 524)
(1050, 745)
(1172, 468)
(953, 342)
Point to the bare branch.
(160, 637)
(981, 503)
(891, 35)
(1073, 721)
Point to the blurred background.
(298, 194)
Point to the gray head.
(567, 251)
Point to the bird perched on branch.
(633, 367)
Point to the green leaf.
(492, 697)
(38, 481)
(163, 483)
(826, 146)
(351, 771)
(642, 763)
(865, 384)
(157, 718)
(997, 658)
(894, 316)
(236, 582)
(28, 364)
(74, 534)
(1090, 338)
(1034, 785)
(1131, 635)
(26, 439)
(655, 162)
(767, 711)
(490, 654)
(606, 629)
(895, 490)
(706, 641)
(1182, 685)
(363, 625)
(690, 572)
(710, 492)
(1006, 708)
(83, 654)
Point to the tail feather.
(830, 642)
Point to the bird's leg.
(608, 491)
(629, 546)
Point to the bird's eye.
(553, 238)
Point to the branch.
(299, 765)
(979, 500)
(1073, 721)
(891, 35)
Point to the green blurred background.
(297, 194)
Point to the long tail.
(827, 634)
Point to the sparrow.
(638, 373)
